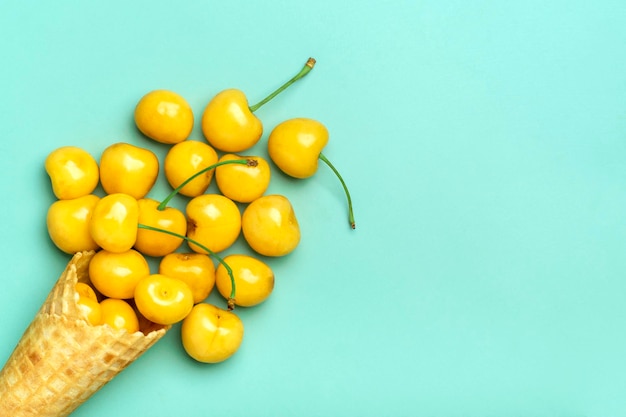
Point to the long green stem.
(249, 162)
(304, 71)
(231, 299)
(345, 188)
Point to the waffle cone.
(61, 360)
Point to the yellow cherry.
(119, 315)
(68, 224)
(214, 221)
(210, 334)
(154, 243)
(164, 116)
(243, 183)
(195, 269)
(163, 300)
(128, 169)
(229, 123)
(254, 280)
(85, 290)
(270, 226)
(113, 223)
(116, 275)
(90, 309)
(184, 160)
(73, 172)
(295, 146)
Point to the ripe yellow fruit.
(116, 275)
(163, 300)
(153, 243)
(119, 315)
(243, 183)
(113, 223)
(228, 124)
(214, 221)
(128, 169)
(185, 159)
(90, 309)
(254, 280)
(73, 172)
(210, 334)
(68, 224)
(270, 226)
(164, 116)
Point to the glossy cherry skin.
(113, 223)
(119, 315)
(295, 146)
(214, 221)
(116, 275)
(163, 300)
(254, 280)
(85, 290)
(90, 309)
(73, 172)
(270, 226)
(243, 183)
(155, 243)
(164, 116)
(210, 334)
(68, 224)
(185, 159)
(228, 124)
(128, 169)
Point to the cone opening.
(80, 267)
(61, 359)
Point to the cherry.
(295, 146)
(229, 123)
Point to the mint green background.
(484, 143)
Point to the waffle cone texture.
(61, 360)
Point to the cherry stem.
(345, 188)
(249, 162)
(304, 71)
(231, 299)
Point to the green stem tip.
(248, 161)
(345, 188)
(308, 66)
(231, 299)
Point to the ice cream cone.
(61, 360)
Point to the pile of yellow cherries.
(124, 226)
